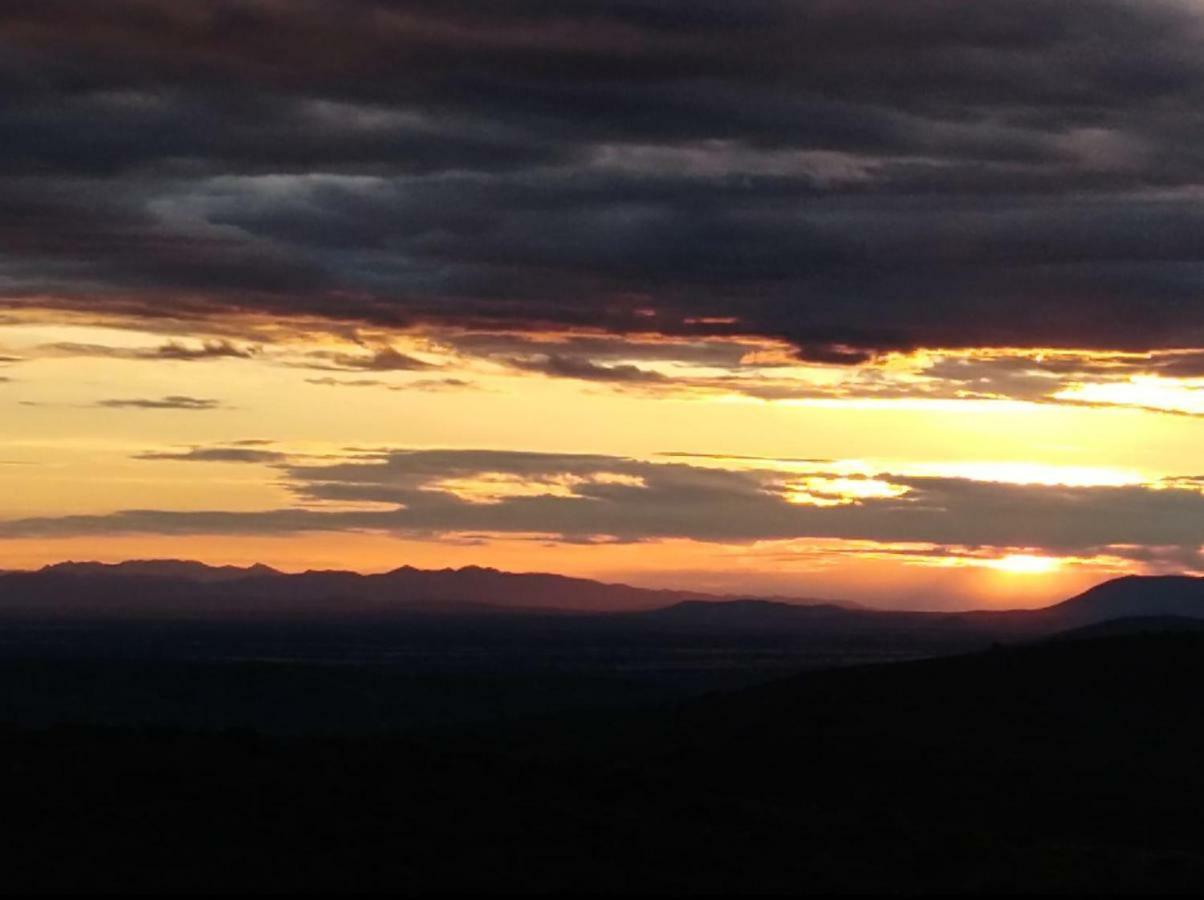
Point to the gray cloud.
(208, 350)
(233, 454)
(581, 497)
(382, 359)
(587, 370)
(172, 350)
(418, 384)
(851, 177)
(604, 350)
(174, 401)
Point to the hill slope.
(1056, 767)
(1132, 596)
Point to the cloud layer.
(851, 177)
(587, 497)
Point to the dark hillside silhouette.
(171, 727)
(1132, 625)
(1054, 767)
(1132, 596)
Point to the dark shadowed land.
(1059, 766)
(670, 750)
(179, 644)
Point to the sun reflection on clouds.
(490, 488)
(825, 491)
(1036, 473)
(870, 478)
(496, 487)
(1149, 392)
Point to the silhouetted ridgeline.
(1131, 597)
(174, 587)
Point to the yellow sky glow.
(75, 442)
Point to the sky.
(896, 302)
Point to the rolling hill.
(1132, 596)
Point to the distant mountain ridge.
(161, 568)
(151, 586)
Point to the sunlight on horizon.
(1025, 564)
(267, 393)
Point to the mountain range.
(466, 734)
(153, 587)
(184, 588)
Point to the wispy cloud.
(172, 350)
(233, 454)
(418, 384)
(175, 401)
(382, 359)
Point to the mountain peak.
(1134, 596)
(186, 569)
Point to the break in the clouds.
(849, 176)
(591, 497)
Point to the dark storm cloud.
(851, 176)
(581, 497)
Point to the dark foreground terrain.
(1062, 765)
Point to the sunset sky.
(895, 302)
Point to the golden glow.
(62, 453)
(818, 569)
(1144, 391)
(822, 491)
(1025, 564)
(1031, 473)
(495, 487)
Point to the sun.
(1026, 564)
